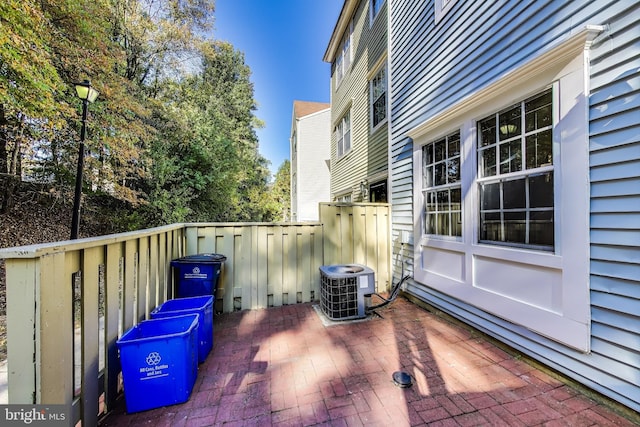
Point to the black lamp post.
(88, 94)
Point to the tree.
(225, 92)
(34, 100)
(173, 130)
(28, 77)
(208, 126)
(281, 192)
(158, 37)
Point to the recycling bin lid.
(201, 258)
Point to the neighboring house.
(515, 163)
(310, 153)
(357, 52)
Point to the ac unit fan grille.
(343, 288)
(339, 297)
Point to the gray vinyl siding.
(435, 66)
(369, 154)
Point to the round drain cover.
(402, 379)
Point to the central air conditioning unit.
(343, 288)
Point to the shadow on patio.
(282, 366)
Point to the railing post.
(112, 316)
(21, 282)
(41, 332)
(90, 330)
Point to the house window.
(441, 8)
(441, 187)
(343, 135)
(378, 90)
(378, 192)
(343, 59)
(524, 252)
(294, 186)
(294, 149)
(344, 198)
(515, 174)
(374, 7)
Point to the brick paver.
(283, 367)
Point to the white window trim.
(338, 197)
(338, 123)
(381, 66)
(448, 186)
(441, 8)
(562, 312)
(372, 14)
(500, 176)
(340, 76)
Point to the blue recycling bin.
(197, 275)
(159, 359)
(203, 307)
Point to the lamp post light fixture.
(87, 94)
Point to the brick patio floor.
(284, 367)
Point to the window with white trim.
(294, 149)
(441, 187)
(523, 254)
(515, 174)
(374, 7)
(441, 8)
(343, 135)
(343, 198)
(343, 58)
(378, 97)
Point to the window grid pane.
(343, 136)
(379, 97)
(518, 211)
(347, 132)
(343, 58)
(517, 208)
(441, 187)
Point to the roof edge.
(348, 8)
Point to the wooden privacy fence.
(267, 264)
(68, 302)
(274, 264)
(359, 233)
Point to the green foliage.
(281, 192)
(215, 170)
(26, 60)
(173, 130)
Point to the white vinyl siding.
(310, 175)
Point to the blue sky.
(283, 42)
